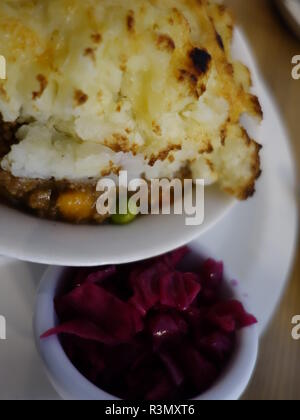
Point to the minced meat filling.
(57, 200)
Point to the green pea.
(123, 219)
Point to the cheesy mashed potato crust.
(96, 86)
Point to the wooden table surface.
(278, 371)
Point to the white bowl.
(30, 239)
(71, 385)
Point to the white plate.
(256, 240)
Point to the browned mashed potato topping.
(97, 86)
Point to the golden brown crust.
(96, 38)
(241, 185)
(80, 97)
(130, 21)
(163, 155)
(248, 190)
(91, 53)
(165, 42)
(43, 84)
(191, 39)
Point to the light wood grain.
(278, 371)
